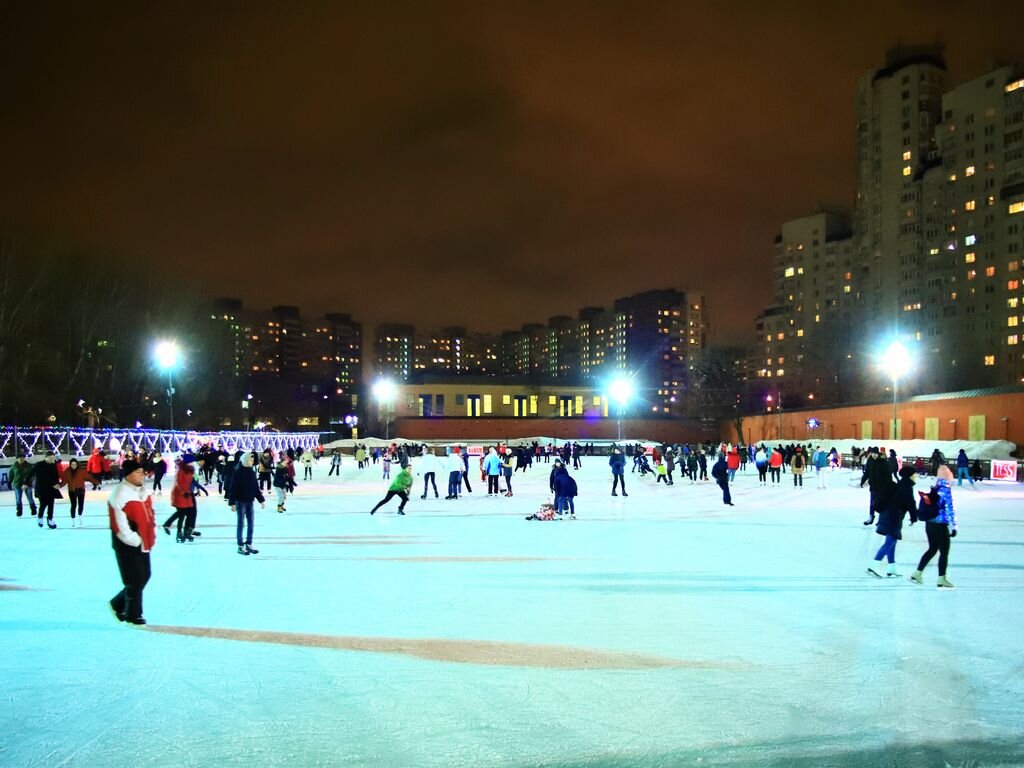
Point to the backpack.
(928, 506)
(798, 461)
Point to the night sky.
(483, 164)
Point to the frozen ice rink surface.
(661, 629)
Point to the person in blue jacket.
(939, 530)
(492, 468)
(963, 469)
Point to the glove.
(952, 534)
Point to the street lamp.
(384, 392)
(167, 355)
(621, 391)
(896, 363)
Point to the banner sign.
(1004, 470)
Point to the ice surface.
(463, 635)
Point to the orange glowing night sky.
(483, 164)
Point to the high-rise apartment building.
(933, 258)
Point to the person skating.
(821, 463)
(455, 468)
(492, 468)
(963, 469)
(181, 497)
(75, 477)
(47, 486)
(507, 470)
(244, 491)
(890, 522)
(307, 465)
(797, 464)
(399, 487)
(761, 462)
(940, 529)
(879, 480)
(336, 463)
(564, 487)
(429, 466)
(617, 461)
(721, 474)
(133, 536)
(282, 482)
(95, 466)
(266, 470)
(20, 480)
(158, 467)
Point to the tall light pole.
(620, 391)
(167, 355)
(896, 363)
(384, 393)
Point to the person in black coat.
(894, 465)
(879, 480)
(47, 487)
(890, 521)
(565, 491)
(243, 491)
(721, 474)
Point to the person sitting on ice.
(546, 512)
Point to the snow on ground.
(658, 629)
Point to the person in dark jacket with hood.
(879, 480)
(47, 487)
(894, 465)
(890, 521)
(565, 491)
(721, 474)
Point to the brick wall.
(664, 430)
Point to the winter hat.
(129, 466)
(907, 471)
(187, 458)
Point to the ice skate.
(917, 577)
(242, 550)
(50, 524)
(891, 573)
(944, 583)
(250, 551)
(875, 569)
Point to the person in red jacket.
(75, 477)
(181, 497)
(94, 466)
(732, 462)
(775, 464)
(133, 535)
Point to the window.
(790, 272)
(907, 170)
(969, 170)
(1016, 208)
(990, 271)
(579, 405)
(1012, 285)
(970, 240)
(1014, 86)
(800, 333)
(597, 400)
(971, 274)
(1011, 321)
(906, 155)
(969, 205)
(506, 399)
(533, 404)
(1011, 339)
(969, 258)
(990, 359)
(552, 400)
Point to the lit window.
(779, 372)
(800, 270)
(552, 400)
(1013, 266)
(1014, 86)
(933, 252)
(782, 360)
(952, 177)
(969, 258)
(907, 170)
(969, 205)
(906, 155)
(1016, 208)
(506, 399)
(1012, 303)
(970, 240)
(1011, 339)
(847, 275)
(781, 336)
(971, 274)
(990, 359)
(990, 271)
(790, 272)
(1011, 321)
(800, 333)
(817, 318)
(969, 170)
(1012, 285)
(846, 289)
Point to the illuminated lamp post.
(896, 363)
(167, 356)
(621, 391)
(384, 394)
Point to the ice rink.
(661, 629)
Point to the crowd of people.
(242, 477)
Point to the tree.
(718, 388)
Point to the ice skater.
(133, 536)
(47, 488)
(721, 474)
(244, 491)
(890, 522)
(429, 465)
(879, 479)
(939, 529)
(617, 461)
(399, 487)
(75, 477)
(20, 480)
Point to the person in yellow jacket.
(399, 487)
